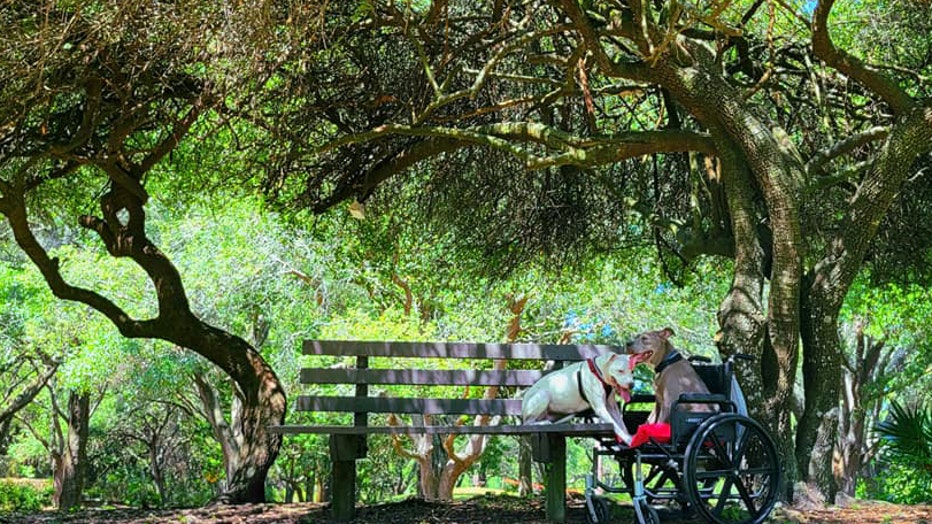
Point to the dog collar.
(598, 374)
(669, 360)
(595, 371)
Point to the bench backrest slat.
(350, 348)
(422, 406)
(421, 377)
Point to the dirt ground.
(482, 509)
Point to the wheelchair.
(720, 466)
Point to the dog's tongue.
(637, 358)
(625, 394)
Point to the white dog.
(580, 386)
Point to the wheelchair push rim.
(731, 473)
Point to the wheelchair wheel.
(645, 513)
(731, 473)
(598, 510)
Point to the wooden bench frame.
(348, 442)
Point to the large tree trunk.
(822, 367)
(833, 275)
(910, 137)
(70, 466)
(249, 447)
(775, 173)
(741, 314)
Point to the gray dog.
(673, 375)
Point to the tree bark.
(525, 468)
(832, 276)
(71, 464)
(864, 368)
(822, 384)
(777, 171)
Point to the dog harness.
(595, 371)
(669, 360)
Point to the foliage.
(900, 315)
(906, 435)
(23, 497)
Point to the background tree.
(95, 96)
(25, 368)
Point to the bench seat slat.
(423, 406)
(505, 429)
(421, 377)
(351, 348)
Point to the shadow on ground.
(501, 509)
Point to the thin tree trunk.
(525, 468)
(319, 488)
(866, 367)
(71, 465)
(155, 469)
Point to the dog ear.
(666, 333)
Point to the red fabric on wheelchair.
(659, 432)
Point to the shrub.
(23, 497)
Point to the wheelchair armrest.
(702, 398)
(642, 398)
(723, 402)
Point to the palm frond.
(907, 435)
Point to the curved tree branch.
(824, 156)
(27, 395)
(15, 210)
(851, 66)
(568, 149)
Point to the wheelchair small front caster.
(645, 513)
(598, 510)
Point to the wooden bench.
(348, 442)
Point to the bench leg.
(344, 450)
(343, 495)
(556, 480)
(550, 449)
